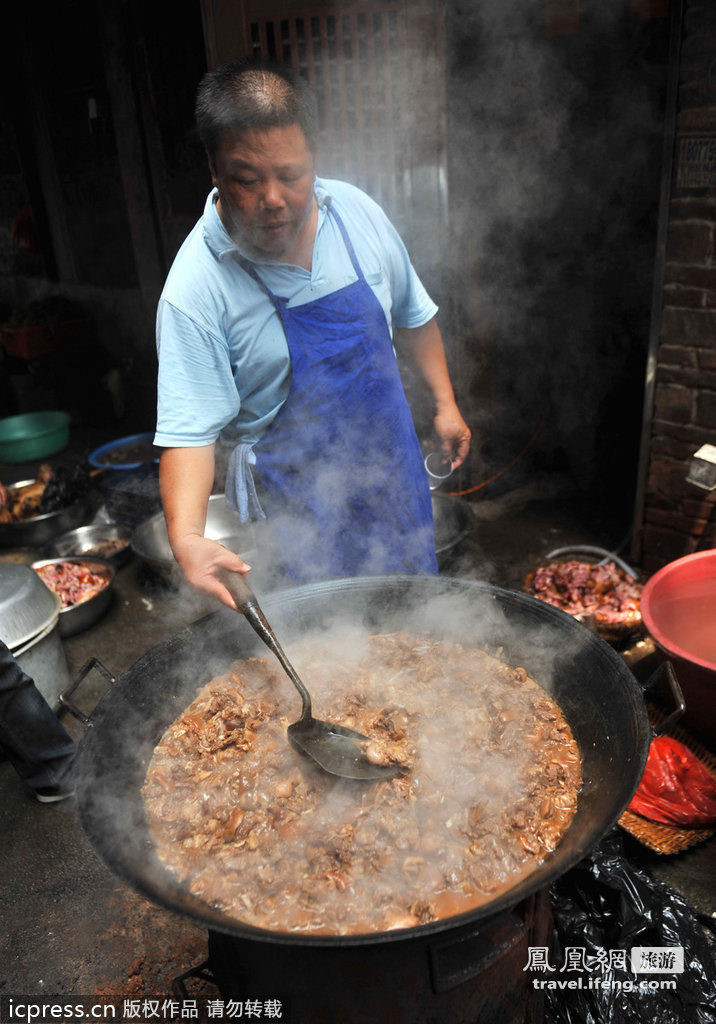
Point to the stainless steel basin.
(150, 540)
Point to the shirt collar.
(220, 242)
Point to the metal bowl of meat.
(38, 530)
(83, 585)
(110, 541)
(34, 512)
(594, 586)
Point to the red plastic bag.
(676, 788)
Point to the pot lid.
(27, 606)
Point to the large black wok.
(600, 697)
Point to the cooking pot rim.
(157, 884)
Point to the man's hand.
(186, 476)
(203, 561)
(453, 435)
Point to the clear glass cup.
(438, 469)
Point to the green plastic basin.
(33, 435)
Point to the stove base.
(469, 974)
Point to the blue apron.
(340, 472)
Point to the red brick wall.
(679, 518)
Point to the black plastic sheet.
(605, 905)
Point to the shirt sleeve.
(196, 392)
(412, 306)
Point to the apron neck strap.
(349, 245)
(250, 269)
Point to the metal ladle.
(334, 747)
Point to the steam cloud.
(553, 148)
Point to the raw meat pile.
(73, 582)
(603, 592)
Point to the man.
(276, 331)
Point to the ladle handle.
(247, 603)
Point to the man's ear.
(212, 169)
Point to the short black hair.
(252, 92)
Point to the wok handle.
(243, 595)
(247, 603)
(69, 690)
(665, 673)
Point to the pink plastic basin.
(678, 606)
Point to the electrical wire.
(513, 462)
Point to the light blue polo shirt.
(224, 364)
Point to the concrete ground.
(69, 926)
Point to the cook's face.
(265, 181)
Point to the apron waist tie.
(240, 488)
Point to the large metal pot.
(600, 698)
(29, 626)
(43, 659)
(451, 518)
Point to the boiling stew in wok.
(488, 779)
